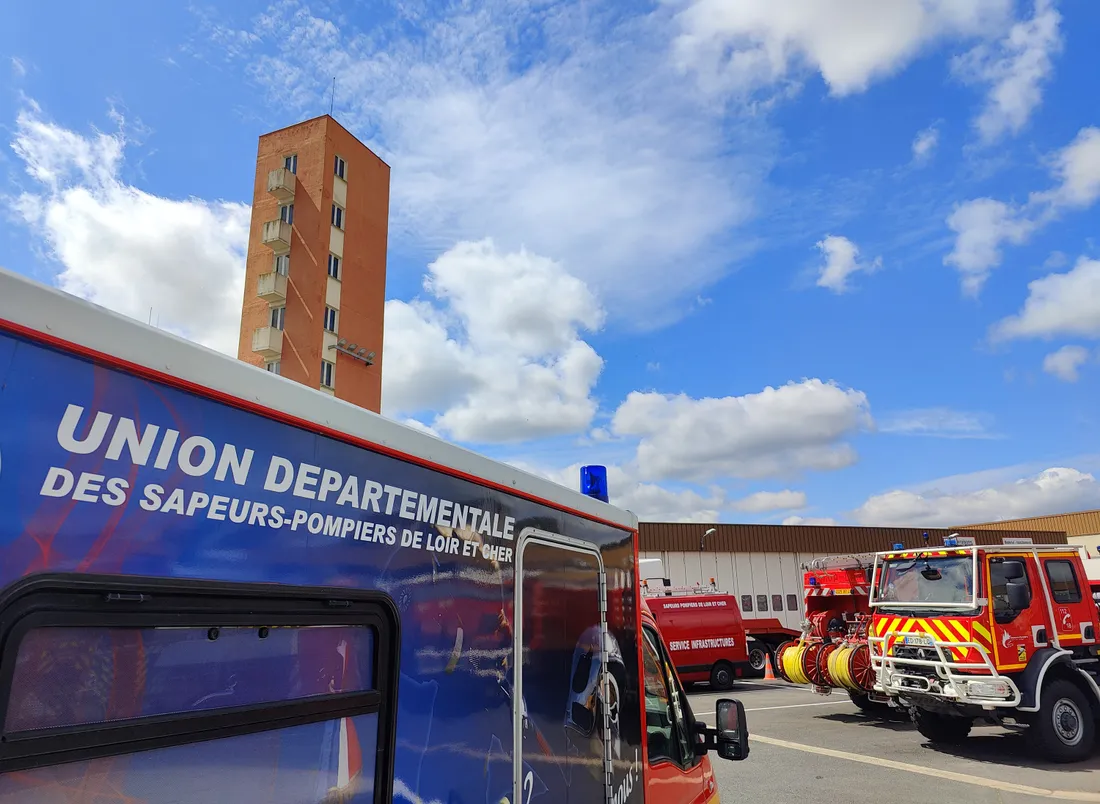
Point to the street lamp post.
(709, 531)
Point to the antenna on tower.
(332, 99)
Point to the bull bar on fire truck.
(958, 681)
(973, 681)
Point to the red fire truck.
(1007, 633)
(832, 651)
(708, 638)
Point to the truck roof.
(61, 319)
(934, 551)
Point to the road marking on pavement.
(964, 778)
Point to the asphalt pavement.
(812, 749)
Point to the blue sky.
(812, 260)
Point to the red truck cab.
(1008, 633)
(677, 768)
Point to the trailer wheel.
(721, 676)
(1063, 729)
(939, 728)
(758, 659)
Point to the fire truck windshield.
(947, 581)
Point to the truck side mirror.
(1019, 597)
(1014, 570)
(731, 729)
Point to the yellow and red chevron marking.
(942, 629)
(908, 554)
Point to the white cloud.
(851, 43)
(937, 422)
(1058, 304)
(925, 143)
(18, 67)
(841, 261)
(1066, 362)
(1053, 490)
(809, 520)
(982, 225)
(776, 432)
(126, 249)
(764, 501)
(1015, 68)
(549, 127)
(496, 355)
(1077, 168)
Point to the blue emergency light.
(594, 482)
(950, 541)
(899, 546)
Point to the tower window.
(337, 216)
(278, 317)
(333, 266)
(330, 319)
(291, 163)
(282, 264)
(340, 168)
(286, 214)
(327, 372)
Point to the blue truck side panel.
(218, 492)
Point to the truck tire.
(939, 728)
(721, 676)
(1063, 729)
(758, 659)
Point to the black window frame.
(672, 681)
(746, 603)
(762, 603)
(792, 602)
(775, 598)
(1072, 574)
(74, 600)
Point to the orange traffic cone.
(769, 673)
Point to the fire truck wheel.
(721, 676)
(939, 728)
(861, 700)
(1063, 729)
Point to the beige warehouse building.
(1081, 528)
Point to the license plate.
(923, 640)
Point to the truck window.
(180, 676)
(792, 602)
(1063, 581)
(746, 602)
(777, 602)
(666, 729)
(761, 602)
